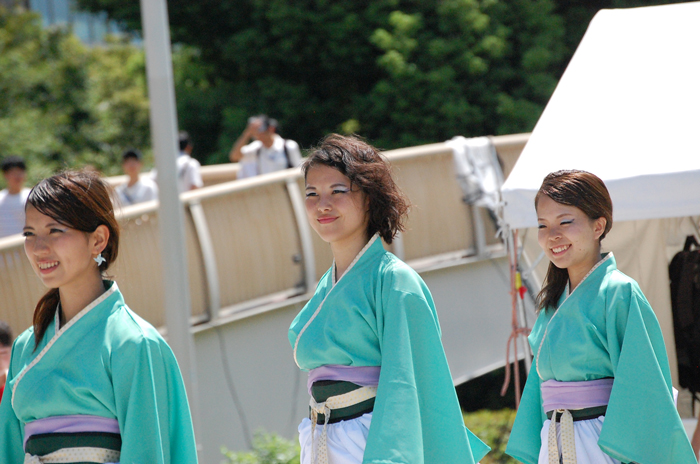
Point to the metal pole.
(161, 92)
(523, 338)
(512, 243)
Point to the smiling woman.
(62, 243)
(599, 390)
(337, 211)
(381, 389)
(571, 205)
(90, 381)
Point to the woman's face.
(569, 238)
(336, 209)
(61, 256)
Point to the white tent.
(627, 109)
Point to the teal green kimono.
(380, 313)
(105, 362)
(606, 328)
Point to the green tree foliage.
(463, 67)
(267, 449)
(578, 14)
(63, 105)
(493, 427)
(400, 72)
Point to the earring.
(99, 260)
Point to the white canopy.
(626, 109)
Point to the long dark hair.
(586, 192)
(369, 170)
(79, 200)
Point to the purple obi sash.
(575, 395)
(364, 376)
(70, 424)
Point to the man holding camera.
(267, 153)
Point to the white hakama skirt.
(586, 434)
(346, 440)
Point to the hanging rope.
(517, 290)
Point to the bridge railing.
(249, 243)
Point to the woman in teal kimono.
(381, 390)
(599, 390)
(90, 382)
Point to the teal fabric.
(606, 328)
(382, 314)
(110, 363)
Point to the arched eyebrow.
(559, 216)
(332, 186)
(47, 226)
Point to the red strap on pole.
(517, 289)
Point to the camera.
(264, 122)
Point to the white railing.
(249, 243)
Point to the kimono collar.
(110, 288)
(371, 248)
(607, 262)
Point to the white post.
(164, 135)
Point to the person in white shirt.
(13, 198)
(189, 176)
(138, 188)
(267, 153)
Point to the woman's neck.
(579, 272)
(74, 298)
(344, 253)
(133, 179)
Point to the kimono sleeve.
(416, 418)
(641, 423)
(151, 403)
(11, 435)
(524, 443)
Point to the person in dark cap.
(139, 188)
(13, 198)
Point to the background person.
(89, 364)
(138, 188)
(371, 331)
(13, 197)
(189, 176)
(267, 153)
(600, 372)
(5, 349)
